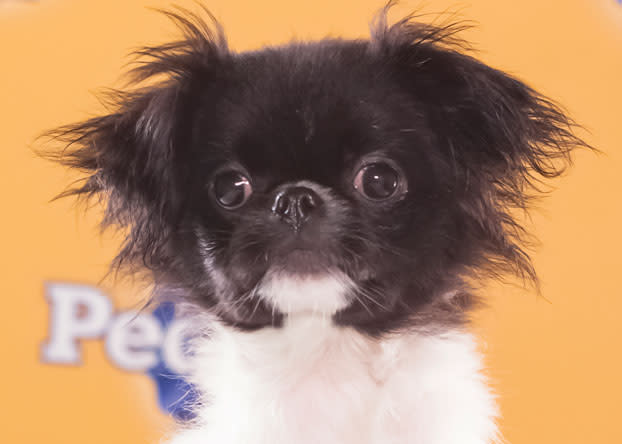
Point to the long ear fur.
(133, 156)
(501, 137)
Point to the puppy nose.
(294, 205)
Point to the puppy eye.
(377, 181)
(232, 189)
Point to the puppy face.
(365, 180)
(327, 182)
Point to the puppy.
(328, 206)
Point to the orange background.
(556, 363)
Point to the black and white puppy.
(328, 206)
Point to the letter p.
(76, 312)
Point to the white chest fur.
(311, 382)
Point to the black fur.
(472, 142)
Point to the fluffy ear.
(133, 157)
(499, 137)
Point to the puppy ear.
(133, 157)
(498, 136)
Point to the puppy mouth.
(302, 261)
(302, 279)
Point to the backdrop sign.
(151, 343)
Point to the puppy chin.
(293, 293)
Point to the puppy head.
(363, 179)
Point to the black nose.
(295, 204)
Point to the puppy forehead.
(307, 106)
